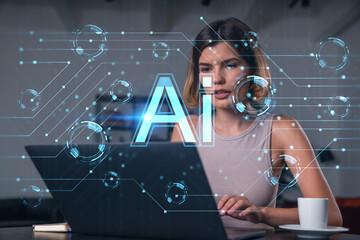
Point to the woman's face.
(226, 65)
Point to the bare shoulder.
(194, 118)
(176, 135)
(286, 130)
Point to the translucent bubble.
(31, 196)
(87, 132)
(339, 106)
(30, 100)
(160, 50)
(253, 96)
(90, 42)
(121, 91)
(111, 179)
(333, 54)
(251, 40)
(290, 171)
(176, 193)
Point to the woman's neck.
(228, 123)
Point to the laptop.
(160, 191)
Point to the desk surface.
(26, 233)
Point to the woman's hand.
(241, 208)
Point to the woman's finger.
(223, 200)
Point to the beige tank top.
(236, 165)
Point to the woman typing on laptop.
(250, 151)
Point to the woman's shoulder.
(285, 128)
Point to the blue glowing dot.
(76, 96)
(46, 134)
(23, 156)
(259, 158)
(201, 18)
(122, 165)
(281, 70)
(90, 114)
(100, 89)
(143, 190)
(122, 33)
(34, 62)
(335, 139)
(312, 55)
(31, 32)
(259, 172)
(56, 140)
(21, 49)
(41, 40)
(66, 110)
(319, 116)
(21, 62)
(278, 118)
(139, 49)
(236, 45)
(343, 77)
(68, 62)
(261, 123)
(305, 98)
(293, 124)
(47, 190)
(337, 166)
(309, 86)
(161, 177)
(319, 105)
(281, 83)
(266, 151)
(291, 147)
(242, 68)
(18, 179)
(290, 105)
(320, 129)
(343, 149)
(165, 211)
(151, 32)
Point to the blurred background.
(145, 38)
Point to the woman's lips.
(222, 94)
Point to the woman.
(245, 146)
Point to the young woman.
(245, 148)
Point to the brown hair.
(235, 33)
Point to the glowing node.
(90, 42)
(339, 106)
(253, 96)
(290, 165)
(176, 193)
(29, 100)
(121, 91)
(31, 196)
(160, 50)
(83, 133)
(328, 55)
(111, 179)
(251, 40)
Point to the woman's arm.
(287, 138)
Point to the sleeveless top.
(236, 165)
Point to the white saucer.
(313, 233)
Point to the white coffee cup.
(313, 212)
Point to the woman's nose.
(219, 77)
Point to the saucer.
(313, 233)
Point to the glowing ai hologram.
(90, 42)
(87, 132)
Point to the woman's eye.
(230, 66)
(205, 70)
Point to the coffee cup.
(313, 212)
